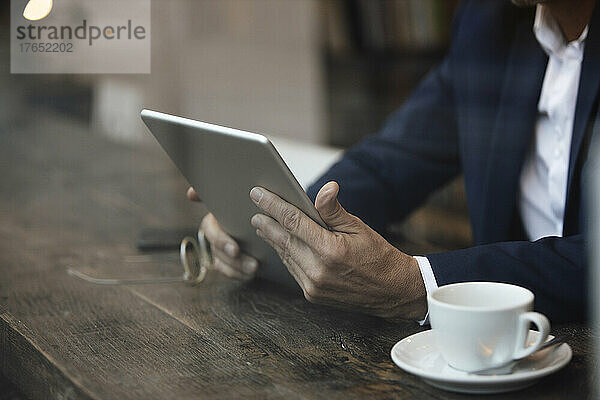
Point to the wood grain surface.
(70, 198)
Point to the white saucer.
(418, 355)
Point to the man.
(511, 107)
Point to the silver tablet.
(223, 165)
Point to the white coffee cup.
(478, 325)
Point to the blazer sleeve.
(385, 176)
(553, 268)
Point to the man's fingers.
(217, 237)
(293, 267)
(243, 263)
(192, 195)
(228, 270)
(332, 211)
(272, 230)
(290, 218)
(295, 254)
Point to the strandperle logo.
(89, 33)
(80, 36)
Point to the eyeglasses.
(195, 257)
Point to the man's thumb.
(332, 211)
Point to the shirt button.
(557, 152)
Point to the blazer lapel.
(588, 91)
(513, 131)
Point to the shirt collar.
(549, 35)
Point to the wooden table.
(72, 198)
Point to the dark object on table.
(165, 239)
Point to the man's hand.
(351, 266)
(227, 257)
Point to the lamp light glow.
(36, 10)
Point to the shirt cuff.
(428, 280)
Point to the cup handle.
(543, 325)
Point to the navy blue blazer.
(475, 114)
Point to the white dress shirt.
(543, 183)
